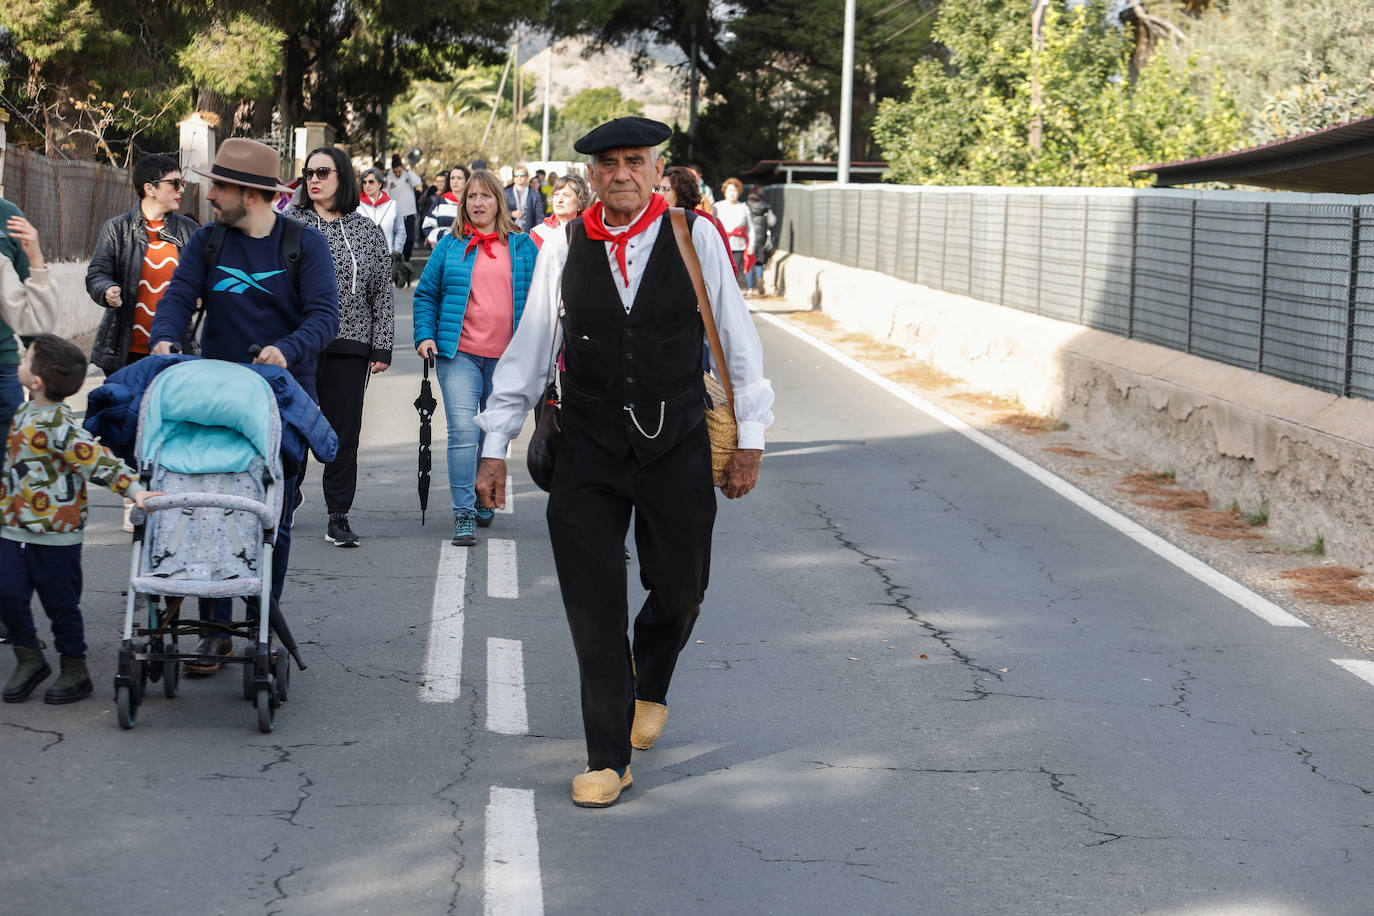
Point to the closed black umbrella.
(425, 404)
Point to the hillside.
(662, 89)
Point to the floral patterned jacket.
(47, 464)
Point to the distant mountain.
(662, 89)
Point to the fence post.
(1264, 289)
(1351, 300)
(1192, 262)
(4, 119)
(197, 150)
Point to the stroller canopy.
(207, 416)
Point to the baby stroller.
(209, 437)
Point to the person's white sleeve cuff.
(494, 445)
(750, 434)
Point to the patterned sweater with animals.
(49, 460)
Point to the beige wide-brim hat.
(247, 163)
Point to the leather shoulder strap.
(708, 318)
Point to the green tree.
(969, 118)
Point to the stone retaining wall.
(1242, 436)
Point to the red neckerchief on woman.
(373, 203)
(475, 238)
(597, 231)
(551, 221)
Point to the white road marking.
(510, 496)
(444, 657)
(1362, 668)
(502, 580)
(511, 860)
(506, 687)
(1261, 607)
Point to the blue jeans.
(754, 278)
(11, 396)
(465, 382)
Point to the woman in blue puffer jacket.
(467, 305)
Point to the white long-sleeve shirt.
(523, 371)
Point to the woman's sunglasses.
(178, 183)
(311, 174)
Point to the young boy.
(42, 512)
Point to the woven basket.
(720, 427)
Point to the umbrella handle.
(429, 364)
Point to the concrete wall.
(1240, 435)
(79, 315)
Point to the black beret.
(623, 133)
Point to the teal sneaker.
(485, 516)
(464, 534)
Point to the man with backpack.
(270, 295)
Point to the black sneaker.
(339, 534)
(464, 534)
(485, 516)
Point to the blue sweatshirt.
(250, 300)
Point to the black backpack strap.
(214, 245)
(291, 233)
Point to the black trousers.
(674, 507)
(410, 222)
(341, 380)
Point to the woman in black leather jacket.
(118, 262)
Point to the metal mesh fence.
(67, 202)
(1280, 283)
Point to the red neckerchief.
(739, 232)
(374, 203)
(475, 237)
(449, 195)
(551, 221)
(597, 231)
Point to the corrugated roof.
(1338, 159)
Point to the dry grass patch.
(815, 319)
(985, 400)
(1226, 524)
(1030, 424)
(1063, 448)
(922, 375)
(1159, 491)
(1329, 584)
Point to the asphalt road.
(922, 683)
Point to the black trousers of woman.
(674, 507)
(341, 380)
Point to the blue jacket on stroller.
(112, 411)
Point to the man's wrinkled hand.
(491, 483)
(741, 472)
(271, 356)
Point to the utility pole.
(847, 93)
(548, 88)
(515, 96)
(692, 94)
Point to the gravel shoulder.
(1225, 540)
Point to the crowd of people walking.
(521, 276)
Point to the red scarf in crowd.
(597, 231)
(373, 203)
(475, 238)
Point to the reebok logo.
(239, 280)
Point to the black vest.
(631, 381)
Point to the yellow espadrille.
(599, 789)
(649, 721)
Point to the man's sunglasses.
(321, 173)
(178, 183)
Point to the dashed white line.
(510, 496)
(1362, 668)
(506, 687)
(502, 577)
(444, 657)
(511, 860)
(1261, 607)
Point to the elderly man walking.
(634, 435)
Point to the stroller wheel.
(266, 704)
(171, 677)
(125, 706)
(282, 671)
(248, 651)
